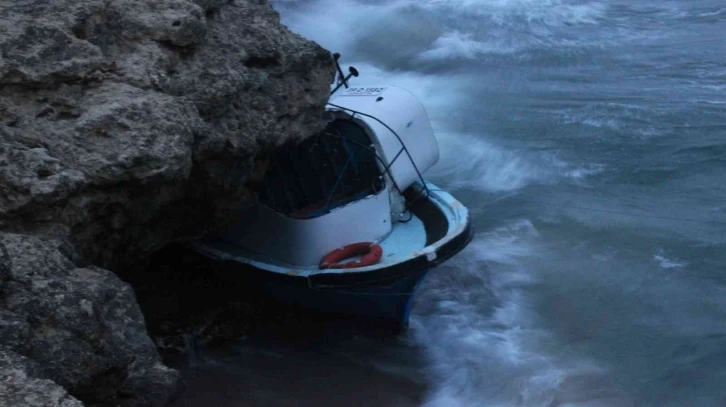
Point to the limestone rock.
(20, 385)
(126, 125)
(80, 325)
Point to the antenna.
(336, 57)
(343, 79)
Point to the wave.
(455, 45)
(482, 336)
(404, 33)
(547, 12)
(667, 263)
(504, 27)
(470, 162)
(712, 15)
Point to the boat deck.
(435, 221)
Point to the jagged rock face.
(126, 125)
(81, 326)
(20, 385)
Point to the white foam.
(455, 45)
(714, 102)
(470, 162)
(714, 13)
(336, 25)
(551, 12)
(484, 340)
(513, 25)
(667, 263)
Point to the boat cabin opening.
(330, 169)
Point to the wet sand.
(249, 377)
(306, 359)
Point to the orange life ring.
(370, 251)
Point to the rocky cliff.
(126, 125)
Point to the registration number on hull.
(363, 91)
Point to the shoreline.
(250, 376)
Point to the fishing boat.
(345, 221)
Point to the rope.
(375, 153)
(337, 182)
(403, 146)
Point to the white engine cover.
(403, 113)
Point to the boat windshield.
(330, 169)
